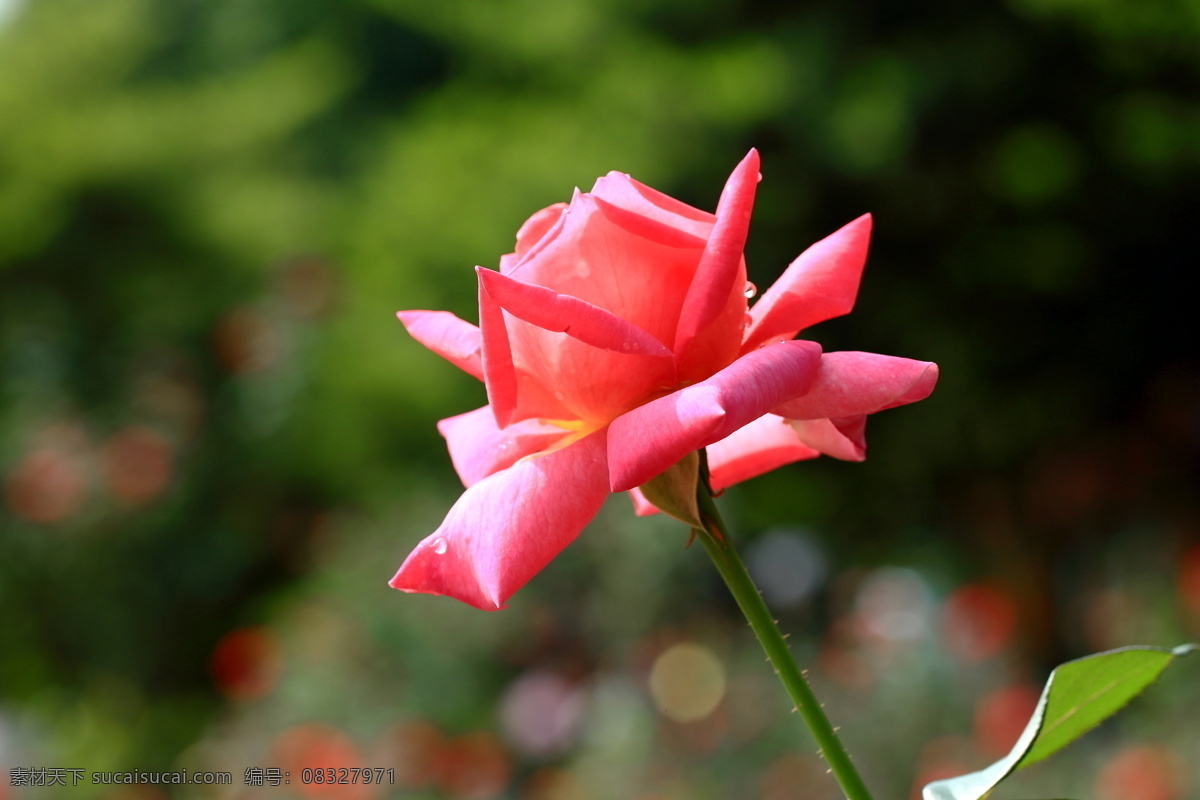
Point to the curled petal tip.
(924, 385)
(921, 386)
(851, 384)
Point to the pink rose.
(615, 341)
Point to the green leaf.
(1078, 696)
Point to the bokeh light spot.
(541, 713)
(788, 566)
(687, 682)
(893, 606)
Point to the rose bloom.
(615, 341)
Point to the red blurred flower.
(1001, 716)
(616, 340)
(414, 749)
(978, 621)
(320, 749)
(138, 462)
(245, 664)
(45, 486)
(1189, 581)
(1143, 772)
(474, 767)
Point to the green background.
(210, 421)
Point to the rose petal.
(842, 439)
(618, 189)
(820, 284)
(624, 268)
(500, 375)
(720, 273)
(537, 226)
(765, 444)
(649, 439)
(647, 227)
(516, 392)
(531, 234)
(589, 257)
(506, 528)
(478, 447)
(562, 313)
(453, 339)
(641, 506)
(852, 383)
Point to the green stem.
(719, 545)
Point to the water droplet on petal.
(749, 319)
(558, 395)
(439, 546)
(750, 290)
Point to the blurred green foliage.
(210, 420)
